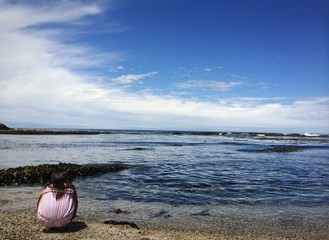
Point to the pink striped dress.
(56, 213)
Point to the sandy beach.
(23, 225)
(18, 221)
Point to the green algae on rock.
(41, 173)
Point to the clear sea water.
(182, 179)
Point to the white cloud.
(150, 111)
(215, 85)
(116, 69)
(120, 67)
(20, 16)
(36, 69)
(130, 78)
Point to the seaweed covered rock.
(41, 173)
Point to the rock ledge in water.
(281, 149)
(42, 173)
(205, 133)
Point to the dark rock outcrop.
(281, 149)
(177, 133)
(257, 134)
(41, 173)
(136, 149)
(4, 127)
(206, 133)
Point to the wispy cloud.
(38, 69)
(208, 69)
(215, 85)
(130, 78)
(25, 15)
(116, 69)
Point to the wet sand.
(18, 221)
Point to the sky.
(217, 65)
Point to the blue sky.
(178, 64)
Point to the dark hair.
(59, 181)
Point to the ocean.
(186, 179)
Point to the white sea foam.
(311, 135)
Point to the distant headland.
(22, 131)
(4, 127)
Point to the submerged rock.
(281, 149)
(177, 133)
(41, 173)
(206, 133)
(136, 149)
(177, 145)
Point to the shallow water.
(201, 180)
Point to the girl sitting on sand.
(58, 202)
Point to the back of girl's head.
(59, 180)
